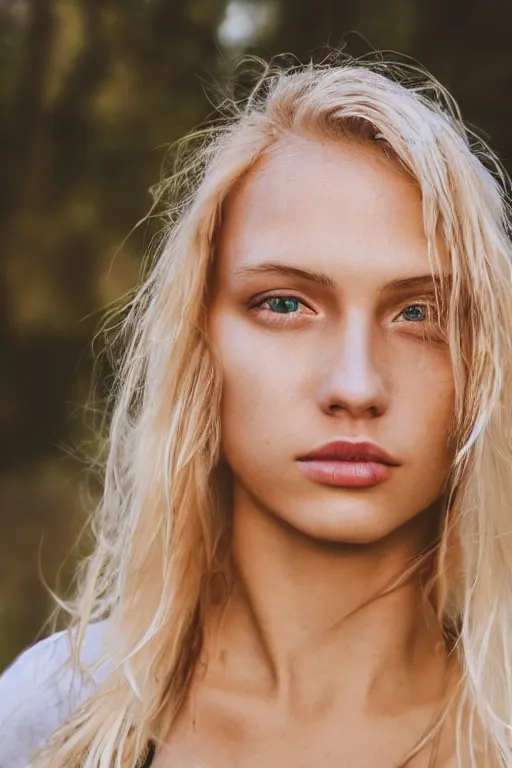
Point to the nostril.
(371, 411)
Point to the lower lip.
(346, 474)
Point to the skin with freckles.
(324, 319)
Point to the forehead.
(332, 206)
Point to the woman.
(303, 552)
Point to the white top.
(38, 691)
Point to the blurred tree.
(467, 45)
(90, 94)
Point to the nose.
(353, 382)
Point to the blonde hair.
(161, 526)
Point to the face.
(338, 389)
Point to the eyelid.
(422, 301)
(261, 298)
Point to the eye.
(283, 305)
(416, 313)
(425, 317)
(280, 308)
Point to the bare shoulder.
(39, 690)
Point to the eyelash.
(287, 317)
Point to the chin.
(361, 525)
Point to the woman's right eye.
(283, 305)
(283, 308)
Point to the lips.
(345, 464)
(343, 450)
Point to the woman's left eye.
(415, 313)
(427, 319)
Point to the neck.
(310, 615)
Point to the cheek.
(253, 378)
(428, 398)
(261, 385)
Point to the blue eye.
(415, 313)
(284, 305)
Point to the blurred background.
(91, 94)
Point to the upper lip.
(345, 450)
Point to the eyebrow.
(274, 267)
(420, 282)
(416, 282)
